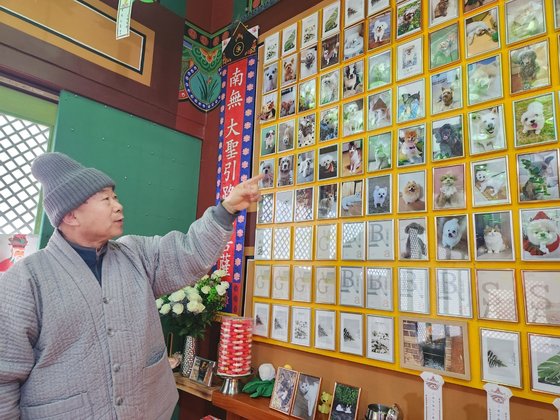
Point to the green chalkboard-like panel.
(156, 169)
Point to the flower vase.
(189, 352)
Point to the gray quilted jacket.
(72, 349)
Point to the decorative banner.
(234, 160)
(124, 11)
(433, 383)
(556, 403)
(497, 401)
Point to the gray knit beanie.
(66, 184)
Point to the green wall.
(156, 169)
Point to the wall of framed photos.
(410, 212)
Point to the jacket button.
(116, 367)
(119, 400)
(105, 300)
(110, 332)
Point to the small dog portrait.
(330, 49)
(308, 62)
(541, 234)
(286, 171)
(452, 238)
(353, 117)
(305, 167)
(524, 19)
(444, 46)
(534, 120)
(410, 101)
(353, 79)
(329, 124)
(304, 205)
(328, 162)
(287, 102)
(307, 96)
(379, 152)
(411, 191)
(268, 140)
(351, 201)
(327, 204)
(449, 187)
(493, 236)
(270, 78)
(447, 93)
(379, 70)
(268, 108)
(306, 397)
(379, 110)
(306, 130)
(447, 138)
(486, 130)
(529, 67)
(482, 33)
(413, 239)
(379, 195)
(442, 11)
(354, 41)
(490, 182)
(409, 59)
(409, 17)
(289, 70)
(484, 80)
(538, 176)
(352, 158)
(266, 167)
(411, 145)
(286, 135)
(329, 89)
(379, 30)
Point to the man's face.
(100, 218)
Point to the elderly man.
(81, 337)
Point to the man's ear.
(70, 219)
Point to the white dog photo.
(486, 129)
(308, 62)
(270, 78)
(329, 87)
(532, 120)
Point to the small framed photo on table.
(202, 370)
(307, 394)
(345, 402)
(284, 390)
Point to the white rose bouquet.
(192, 308)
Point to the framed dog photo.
(202, 370)
(409, 18)
(353, 241)
(301, 326)
(325, 287)
(303, 209)
(284, 390)
(410, 61)
(307, 395)
(270, 77)
(413, 239)
(449, 187)
(289, 70)
(542, 300)
(380, 343)
(329, 87)
(379, 70)
(351, 287)
(484, 80)
(261, 285)
(309, 30)
(378, 195)
(379, 288)
(263, 244)
(486, 130)
(537, 176)
(529, 67)
(352, 152)
(261, 313)
(306, 131)
(411, 101)
(289, 39)
(301, 287)
(414, 290)
(280, 322)
(444, 46)
(351, 334)
(411, 191)
(380, 152)
(282, 243)
(281, 282)
(327, 205)
(524, 20)
(379, 109)
(308, 62)
(375, 6)
(354, 41)
(535, 120)
(325, 242)
(330, 51)
(353, 79)
(325, 330)
(496, 296)
(271, 48)
(285, 171)
(268, 108)
(331, 19)
(411, 145)
(380, 240)
(543, 356)
(307, 95)
(354, 11)
(454, 292)
(447, 91)
(353, 117)
(287, 101)
(265, 209)
(305, 168)
(447, 138)
(286, 134)
(426, 345)
(482, 33)
(328, 124)
(303, 243)
(328, 162)
(351, 198)
(284, 212)
(380, 29)
(493, 236)
(469, 5)
(490, 182)
(452, 235)
(501, 361)
(540, 238)
(345, 402)
(441, 11)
